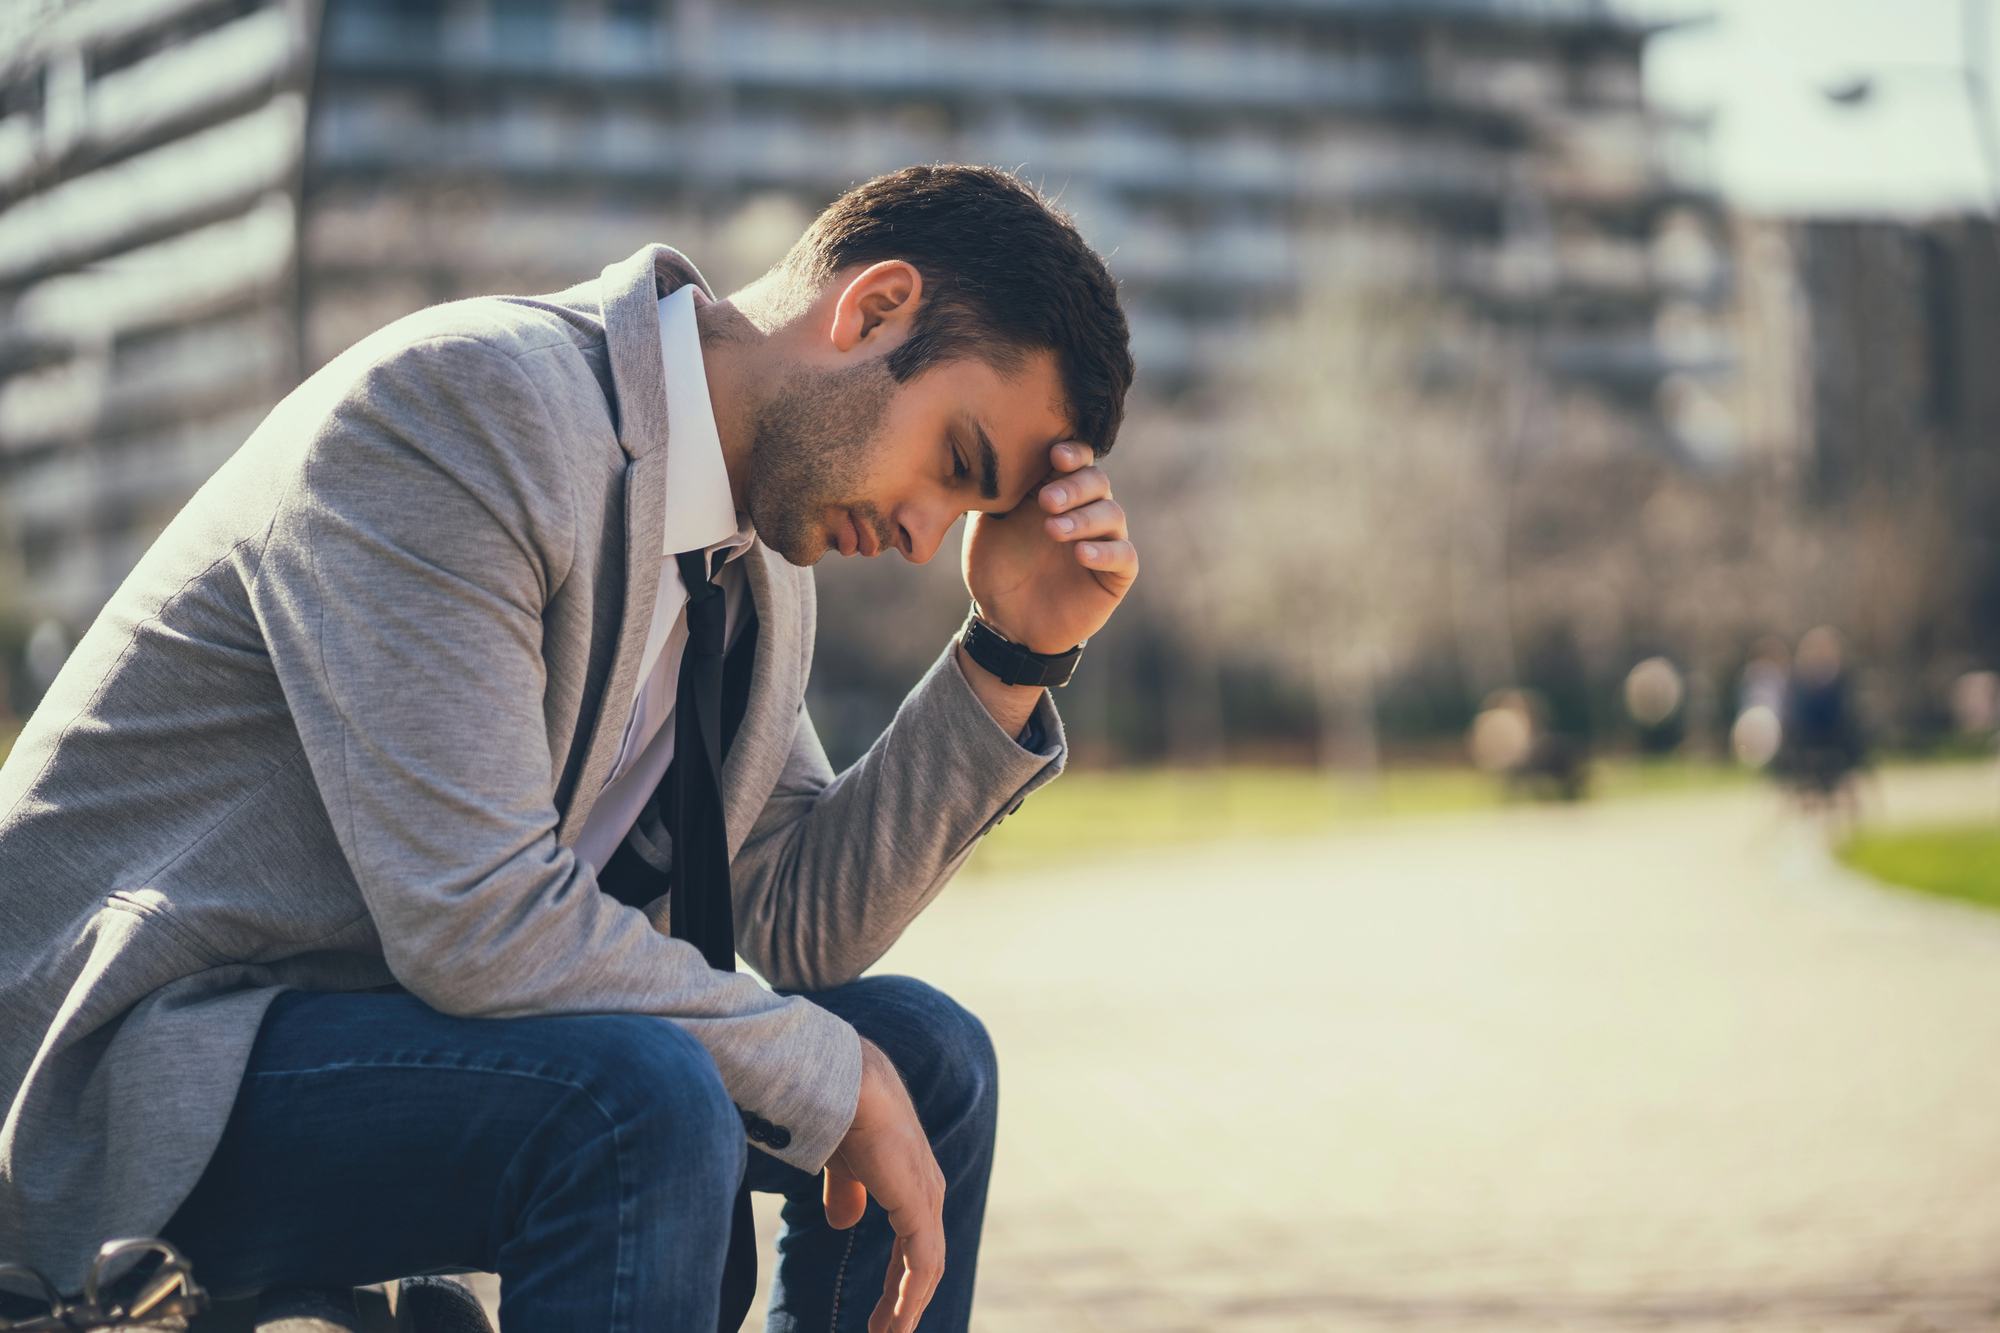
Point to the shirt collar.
(700, 513)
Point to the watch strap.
(1013, 663)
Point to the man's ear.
(877, 305)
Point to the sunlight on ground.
(1628, 1064)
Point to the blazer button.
(781, 1138)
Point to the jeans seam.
(538, 1075)
(623, 1279)
(840, 1279)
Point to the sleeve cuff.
(1024, 763)
(1034, 736)
(799, 1109)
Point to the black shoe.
(438, 1305)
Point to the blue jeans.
(591, 1161)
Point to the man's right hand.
(887, 1154)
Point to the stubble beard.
(810, 454)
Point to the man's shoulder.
(515, 327)
(488, 349)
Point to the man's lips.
(857, 538)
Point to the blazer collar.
(777, 682)
(630, 293)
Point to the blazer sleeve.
(401, 589)
(836, 867)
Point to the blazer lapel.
(630, 292)
(777, 678)
(645, 531)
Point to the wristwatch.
(1012, 662)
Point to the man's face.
(845, 459)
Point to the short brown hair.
(1005, 274)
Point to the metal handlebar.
(166, 1300)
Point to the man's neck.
(739, 351)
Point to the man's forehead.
(1013, 417)
(1006, 467)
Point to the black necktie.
(691, 795)
(710, 698)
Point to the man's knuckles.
(1102, 521)
(1077, 488)
(1102, 518)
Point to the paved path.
(1628, 1065)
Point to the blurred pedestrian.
(1511, 736)
(1823, 744)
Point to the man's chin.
(801, 550)
(801, 544)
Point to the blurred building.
(1904, 328)
(149, 173)
(202, 200)
(456, 146)
(1903, 335)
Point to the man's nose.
(926, 528)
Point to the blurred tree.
(1351, 468)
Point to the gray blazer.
(341, 726)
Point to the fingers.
(894, 1279)
(1100, 518)
(916, 1266)
(883, 1316)
(1081, 511)
(1080, 487)
(1069, 456)
(846, 1198)
(1115, 560)
(886, 1154)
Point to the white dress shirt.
(700, 516)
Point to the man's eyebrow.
(989, 465)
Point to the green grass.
(1953, 860)
(1088, 814)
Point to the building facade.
(203, 200)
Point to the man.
(335, 867)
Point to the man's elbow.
(799, 969)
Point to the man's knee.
(937, 1044)
(648, 1075)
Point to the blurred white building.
(200, 200)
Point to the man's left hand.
(1049, 573)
